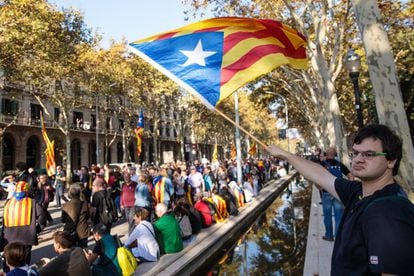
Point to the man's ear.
(391, 163)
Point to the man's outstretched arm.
(312, 171)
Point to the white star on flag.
(197, 55)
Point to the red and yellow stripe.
(159, 190)
(49, 151)
(18, 212)
(221, 206)
(239, 197)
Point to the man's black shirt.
(375, 236)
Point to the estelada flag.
(139, 130)
(253, 150)
(213, 58)
(49, 151)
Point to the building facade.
(22, 138)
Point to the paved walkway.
(318, 251)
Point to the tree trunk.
(382, 71)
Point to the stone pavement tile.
(318, 251)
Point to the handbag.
(185, 226)
(73, 234)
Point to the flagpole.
(238, 144)
(238, 126)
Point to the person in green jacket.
(167, 230)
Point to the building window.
(9, 107)
(93, 119)
(35, 110)
(57, 114)
(78, 119)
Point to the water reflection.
(274, 245)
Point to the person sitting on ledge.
(167, 230)
(142, 240)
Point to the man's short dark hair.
(391, 143)
(63, 238)
(21, 166)
(100, 229)
(15, 254)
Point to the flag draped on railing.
(213, 58)
(139, 131)
(49, 151)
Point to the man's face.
(368, 169)
(42, 179)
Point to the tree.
(41, 55)
(384, 79)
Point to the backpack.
(109, 213)
(126, 260)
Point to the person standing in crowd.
(23, 174)
(59, 186)
(69, 261)
(143, 197)
(19, 223)
(100, 198)
(196, 181)
(329, 202)
(133, 173)
(85, 180)
(208, 180)
(179, 178)
(167, 230)
(75, 216)
(163, 189)
(128, 200)
(44, 195)
(9, 184)
(142, 241)
(376, 234)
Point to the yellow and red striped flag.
(233, 152)
(253, 150)
(213, 58)
(49, 151)
(214, 158)
(139, 130)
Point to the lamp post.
(353, 63)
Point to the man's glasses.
(368, 155)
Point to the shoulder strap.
(149, 230)
(391, 197)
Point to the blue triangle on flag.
(172, 54)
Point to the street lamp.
(353, 63)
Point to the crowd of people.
(164, 207)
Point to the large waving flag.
(214, 57)
(49, 151)
(139, 130)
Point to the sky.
(130, 19)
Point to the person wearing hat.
(19, 222)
